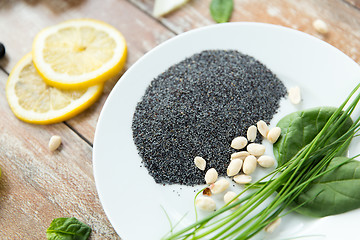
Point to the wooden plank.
(343, 19)
(141, 31)
(37, 185)
(355, 3)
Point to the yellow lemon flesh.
(79, 53)
(34, 101)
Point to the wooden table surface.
(36, 185)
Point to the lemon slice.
(32, 100)
(79, 53)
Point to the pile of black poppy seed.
(196, 107)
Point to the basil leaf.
(299, 129)
(335, 192)
(221, 10)
(67, 229)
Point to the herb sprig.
(68, 229)
(221, 10)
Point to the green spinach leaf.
(333, 193)
(299, 129)
(221, 10)
(67, 229)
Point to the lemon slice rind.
(52, 116)
(68, 81)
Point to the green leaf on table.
(67, 229)
(299, 128)
(335, 192)
(221, 10)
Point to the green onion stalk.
(272, 196)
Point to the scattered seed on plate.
(229, 196)
(251, 133)
(256, 149)
(207, 192)
(273, 225)
(274, 134)
(54, 143)
(200, 163)
(234, 167)
(239, 143)
(249, 164)
(262, 128)
(205, 203)
(295, 95)
(320, 26)
(242, 179)
(266, 161)
(211, 176)
(219, 186)
(242, 155)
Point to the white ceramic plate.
(133, 201)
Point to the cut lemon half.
(79, 53)
(32, 100)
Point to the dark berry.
(2, 50)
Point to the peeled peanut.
(234, 167)
(320, 26)
(242, 155)
(251, 133)
(239, 142)
(200, 163)
(266, 161)
(211, 176)
(205, 203)
(256, 149)
(249, 165)
(229, 196)
(274, 134)
(295, 95)
(54, 143)
(219, 186)
(263, 128)
(273, 225)
(242, 179)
